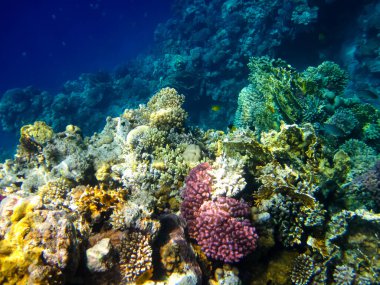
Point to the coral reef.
(150, 199)
(277, 92)
(202, 51)
(22, 106)
(219, 226)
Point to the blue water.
(201, 48)
(45, 43)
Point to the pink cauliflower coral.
(198, 190)
(220, 227)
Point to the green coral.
(277, 92)
(362, 157)
(271, 96)
(327, 76)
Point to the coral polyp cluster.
(220, 226)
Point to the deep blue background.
(45, 43)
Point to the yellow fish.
(215, 108)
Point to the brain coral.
(220, 226)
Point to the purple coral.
(369, 184)
(221, 226)
(197, 191)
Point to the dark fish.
(332, 130)
(366, 93)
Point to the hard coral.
(197, 191)
(135, 256)
(33, 137)
(165, 109)
(303, 270)
(223, 231)
(219, 226)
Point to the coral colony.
(220, 227)
(288, 194)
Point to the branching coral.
(303, 270)
(135, 256)
(197, 191)
(165, 110)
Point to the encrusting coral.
(37, 246)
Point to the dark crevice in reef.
(325, 39)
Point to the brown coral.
(165, 109)
(303, 270)
(135, 256)
(94, 202)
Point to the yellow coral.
(18, 253)
(165, 111)
(39, 131)
(95, 201)
(103, 172)
(135, 135)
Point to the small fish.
(366, 93)
(369, 97)
(332, 130)
(215, 108)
